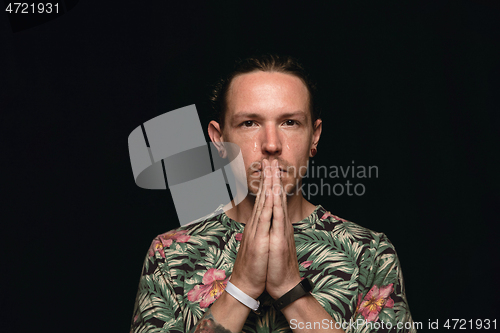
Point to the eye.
(291, 122)
(248, 123)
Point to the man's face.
(268, 117)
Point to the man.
(310, 270)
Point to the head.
(266, 107)
(265, 63)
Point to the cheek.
(298, 140)
(298, 152)
(300, 162)
(246, 145)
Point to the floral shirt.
(356, 272)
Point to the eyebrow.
(257, 116)
(247, 115)
(301, 114)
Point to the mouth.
(258, 171)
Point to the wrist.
(282, 289)
(297, 308)
(229, 302)
(229, 313)
(243, 298)
(303, 288)
(246, 287)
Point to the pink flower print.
(328, 214)
(156, 246)
(374, 301)
(306, 264)
(360, 296)
(165, 240)
(178, 236)
(214, 283)
(238, 236)
(339, 218)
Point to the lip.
(259, 170)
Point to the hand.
(250, 267)
(283, 268)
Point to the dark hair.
(265, 63)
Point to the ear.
(215, 135)
(318, 126)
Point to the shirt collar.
(306, 223)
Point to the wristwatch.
(302, 289)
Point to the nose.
(271, 142)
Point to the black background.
(411, 87)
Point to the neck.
(298, 208)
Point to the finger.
(264, 219)
(268, 177)
(287, 225)
(259, 202)
(265, 184)
(278, 213)
(284, 202)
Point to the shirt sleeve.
(381, 302)
(156, 306)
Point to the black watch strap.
(302, 289)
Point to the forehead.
(268, 92)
